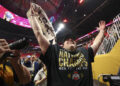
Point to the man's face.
(69, 44)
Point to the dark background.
(78, 24)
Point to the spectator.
(41, 77)
(12, 73)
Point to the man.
(12, 73)
(67, 66)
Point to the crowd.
(36, 68)
(20, 71)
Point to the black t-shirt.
(68, 68)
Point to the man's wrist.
(103, 30)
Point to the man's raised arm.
(99, 38)
(33, 19)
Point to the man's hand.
(101, 25)
(4, 46)
(22, 73)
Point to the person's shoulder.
(84, 48)
(40, 71)
(81, 49)
(56, 46)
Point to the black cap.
(68, 36)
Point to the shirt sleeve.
(49, 55)
(91, 54)
(37, 76)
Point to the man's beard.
(72, 48)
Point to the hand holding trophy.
(37, 15)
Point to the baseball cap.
(28, 56)
(69, 36)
